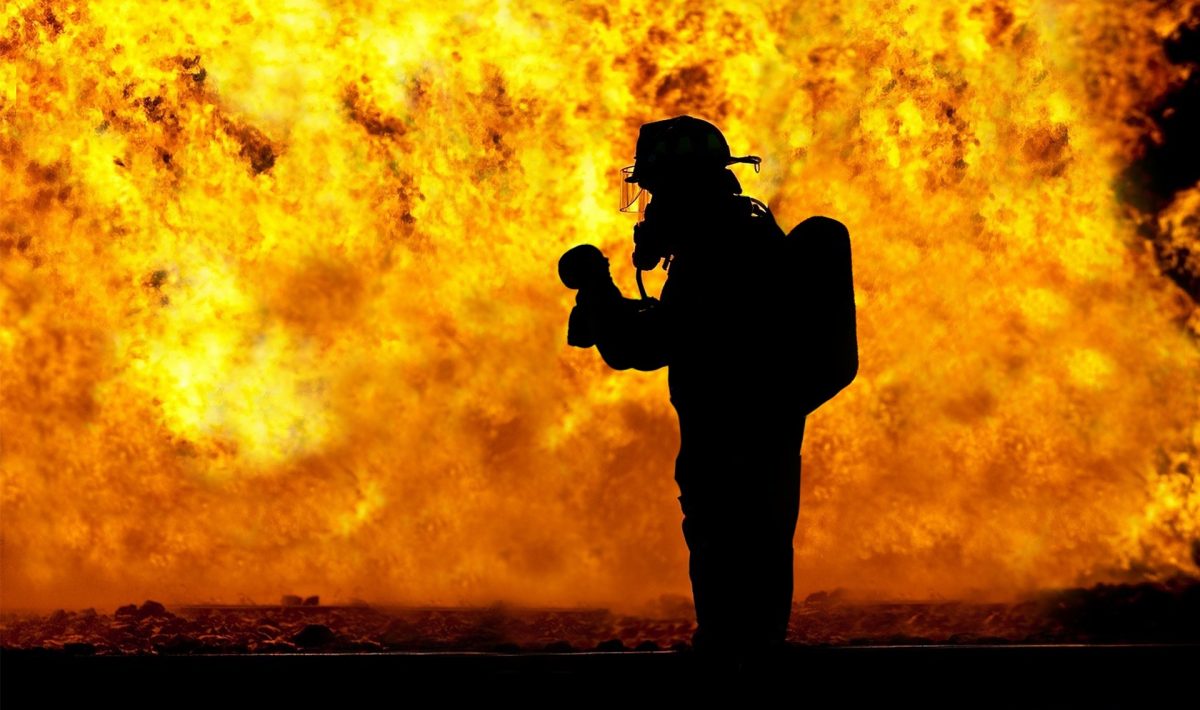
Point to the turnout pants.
(739, 483)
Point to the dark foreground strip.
(1014, 676)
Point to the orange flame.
(279, 307)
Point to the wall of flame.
(280, 311)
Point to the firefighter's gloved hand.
(580, 332)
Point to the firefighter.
(757, 329)
(738, 467)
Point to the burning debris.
(293, 600)
(1106, 614)
(296, 628)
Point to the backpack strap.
(762, 217)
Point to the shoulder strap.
(762, 215)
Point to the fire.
(280, 309)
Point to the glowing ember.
(278, 307)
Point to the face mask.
(633, 196)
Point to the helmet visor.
(633, 197)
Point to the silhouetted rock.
(611, 645)
(823, 597)
(291, 600)
(314, 636)
(1166, 612)
(312, 601)
(152, 609)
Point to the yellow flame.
(280, 311)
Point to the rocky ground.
(1167, 612)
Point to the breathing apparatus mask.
(679, 155)
(634, 197)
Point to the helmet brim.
(751, 159)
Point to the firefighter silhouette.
(757, 329)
